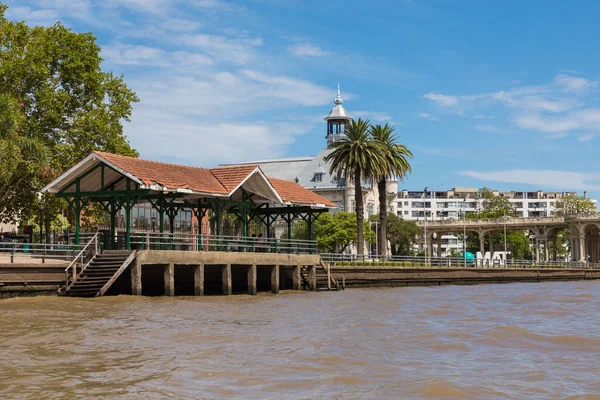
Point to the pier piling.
(252, 280)
(275, 279)
(169, 278)
(199, 280)
(227, 285)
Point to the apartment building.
(453, 204)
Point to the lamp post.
(376, 235)
(505, 254)
(41, 206)
(425, 221)
(464, 232)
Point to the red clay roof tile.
(171, 176)
(294, 193)
(231, 177)
(220, 180)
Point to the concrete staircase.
(102, 271)
(322, 278)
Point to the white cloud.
(429, 117)
(574, 84)
(580, 119)
(516, 82)
(375, 116)
(442, 99)
(210, 143)
(554, 108)
(541, 178)
(149, 6)
(33, 17)
(308, 50)
(481, 116)
(586, 137)
(238, 50)
(124, 54)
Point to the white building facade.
(435, 205)
(312, 172)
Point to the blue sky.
(498, 94)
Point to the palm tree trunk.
(382, 239)
(360, 212)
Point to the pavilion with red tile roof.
(120, 182)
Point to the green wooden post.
(77, 214)
(289, 226)
(309, 222)
(200, 213)
(113, 216)
(218, 209)
(127, 223)
(161, 220)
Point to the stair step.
(109, 260)
(90, 282)
(94, 278)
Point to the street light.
(464, 232)
(425, 221)
(41, 206)
(376, 235)
(505, 254)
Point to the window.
(406, 203)
(370, 209)
(318, 177)
(406, 212)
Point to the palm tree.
(394, 164)
(356, 156)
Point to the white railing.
(449, 262)
(83, 258)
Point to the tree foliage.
(492, 206)
(394, 164)
(336, 232)
(573, 204)
(402, 235)
(66, 103)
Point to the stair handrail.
(73, 265)
(330, 280)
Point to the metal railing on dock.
(190, 242)
(449, 262)
(37, 252)
(82, 259)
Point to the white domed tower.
(337, 120)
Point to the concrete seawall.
(31, 279)
(225, 273)
(360, 277)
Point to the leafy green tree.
(517, 242)
(493, 206)
(67, 102)
(22, 158)
(573, 204)
(402, 235)
(394, 163)
(357, 156)
(336, 232)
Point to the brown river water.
(482, 342)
